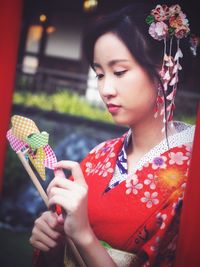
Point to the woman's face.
(125, 87)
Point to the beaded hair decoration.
(168, 24)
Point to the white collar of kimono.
(184, 135)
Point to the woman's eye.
(120, 73)
(99, 76)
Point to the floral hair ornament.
(166, 24)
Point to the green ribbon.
(149, 19)
(37, 140)
(171, 31)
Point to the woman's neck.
(146, 135)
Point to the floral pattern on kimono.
(139, 213)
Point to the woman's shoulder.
(106, 147)
(182, 126)
(184, 133)
(108, 144)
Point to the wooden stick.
(33, 177)
(75, 254)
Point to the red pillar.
(188, 251)
(10, 21)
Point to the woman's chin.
(120, 122)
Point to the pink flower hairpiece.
(169, 23)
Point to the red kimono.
(139, 212)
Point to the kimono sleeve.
(160, 249)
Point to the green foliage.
(71, 103)
(189, 120)
(64, 102)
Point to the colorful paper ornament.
(38, 162)
(25, 136)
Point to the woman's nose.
(108, 88)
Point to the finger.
(64, 186)
(46, 231)
(64, 202)
(75, 169)
(59, 182)
(43, 238)
(58, 191)
(61, 219)
(50, 221)
(48, 225)
(39, 246)
(59, 172)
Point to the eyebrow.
(110, 63)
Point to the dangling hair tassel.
(168, 23)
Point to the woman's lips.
(112, 108)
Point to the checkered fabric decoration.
(23, 127)
(24, 134)
(15, 143)
(38, 162)
(37, 140)
(50, 158)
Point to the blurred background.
(55, 87)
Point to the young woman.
(128, 191)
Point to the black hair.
(129, 25)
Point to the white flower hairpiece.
(168, 23)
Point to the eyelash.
(120, 73)
(116, 73)
(99, 76)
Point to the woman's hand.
(47, 233)
(72, 197)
